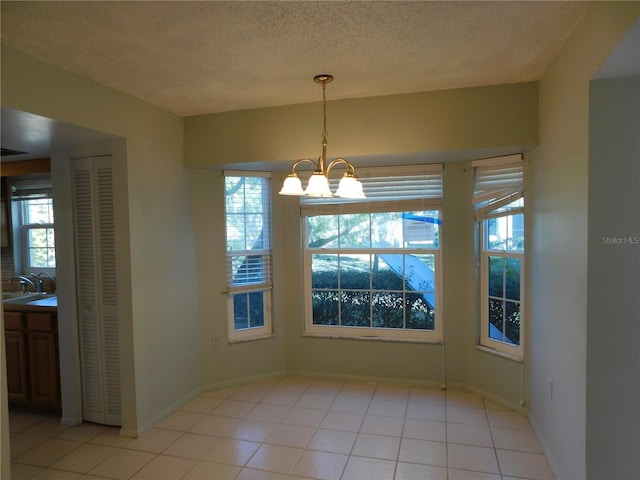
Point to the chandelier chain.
(324, 110)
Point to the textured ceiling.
(209, 56)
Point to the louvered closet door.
(94, 224)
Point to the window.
(373, 268)
(34, 207)
(499, 207)
(248, 245)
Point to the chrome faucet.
(46, 274)
(23, 283)
(39, 283)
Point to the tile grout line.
(446, 433)
(493, 443)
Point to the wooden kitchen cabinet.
(15, 339)
(33, 367)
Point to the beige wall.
(613, 336)
(493, 117)
(162, 367)
(558, 209)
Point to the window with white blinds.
(248, 246)
(499, 210)
(373, 267)
(31, 189)
(499, 186)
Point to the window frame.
(265, 286)
(388, 200)
(516, 351)
(25, 231)
(24, 191)
(405, 334)
(498, 193)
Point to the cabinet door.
(44, 369)
(17, 374)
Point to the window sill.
(251, 339)
(373, 338)
(498, 353)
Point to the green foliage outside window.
(39, 236)
(504, 296)
(248, 309)
(388, 306)
(374, 270)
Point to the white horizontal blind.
(499, 186)
(397, 188)
(31, 189)
(248, 230)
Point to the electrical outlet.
(214, 343)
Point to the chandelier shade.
(292, 185)
(350, 187)
(318, 185)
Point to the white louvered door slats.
(91, 366)
(94, 224)
(108, 291)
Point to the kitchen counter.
(16, 301)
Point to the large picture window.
(499, 205)
(373, 268)
(248, 242)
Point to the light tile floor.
(294, 428)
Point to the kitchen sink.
(16, 294)
(34, 299)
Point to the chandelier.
(318, 186)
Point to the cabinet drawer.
(41, 321)
(13, 321)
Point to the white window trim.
(27, 268)
(252, 333)
(514, 351)
(266, 330)
(499, 181)
(21, 248)
(423, 192)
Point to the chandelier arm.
(295, 165)
(350, 168)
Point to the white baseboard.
(241, 381)
(70, 421)
(545, 448)
(367, 379)
(151, 422)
